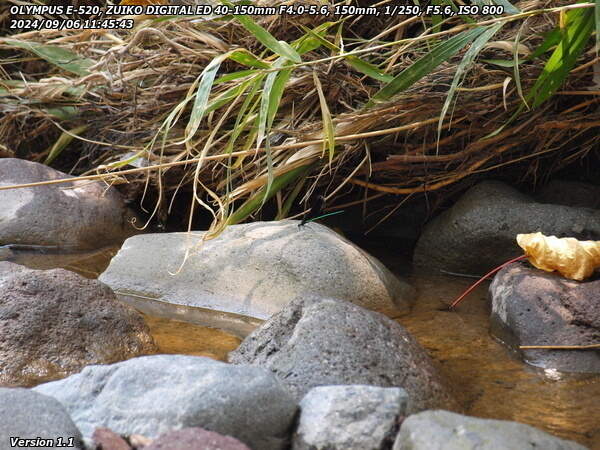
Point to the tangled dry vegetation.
(371, 110)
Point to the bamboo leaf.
(282, 48)
(425, 65)
(265, 193)
(60, 57)
(204, 87)
(464, 66)
(64, 140)
(577, 32)
(327, 121)
(271, 96)
(246, 58)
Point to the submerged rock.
(348, 417)
(26, 414)
(533, 307)
(55, 322)
(248, 273)
(316, 342)
(479, 232)
(151, 395)
(79, 215)
(444, 430)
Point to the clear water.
(486, 378)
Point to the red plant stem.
(455, 303)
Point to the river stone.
(248, 273)
(444, 430)
(151, 395)
(79, 215)
(195, 439)
(479, 232)
(343, 417)
(570, 193)
(30, 415)
(533, 307)
(317, 342)
(55, 322)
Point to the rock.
(248, 273)
(106, 439)
(346, 417)
(570, 193)
(479, 232)
(55, 322)
(73, 216)
(29, 415)
(443, 430)
(194, 439)
(151, 395)
(316, 342)
(533, 307)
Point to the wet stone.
(533, 307)
(318, 342)
(55, 322)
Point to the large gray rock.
(443, 430)
(248, 273)
(570, 193)
(55, 322)
(479, 232)
(350, 417)
(533, 307)
(29, 415)
(73, 216)
(151, 395)
(317, 342)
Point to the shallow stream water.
(485, 377)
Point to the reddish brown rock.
(106, 439)
(195, 439)
(55, 322)
(533, 307)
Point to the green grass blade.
(265, 193)
(357, 63)
(60, 57)
(426, 64)
(246, 58)
(271, 97)
(464, 65)
(577, 32)
(64, 140)
(597, 21)
(328, 126)
(204, 87)
(281, 48)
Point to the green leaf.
(426, 64)
(265, 193)
(246, 58)
(327, 121)
(63, 112)
(464, 65)
(357, 63)
(597, 20)
(578, 31)
(204, 87)
(234, 76)
(60, 57)
(64, 140)
(282, 48)
(271, 96)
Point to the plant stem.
(455, 303)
